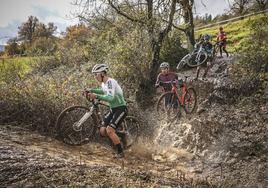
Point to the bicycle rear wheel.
(168, 106)
(190, 100)
(131, 128)
(197, 59)
(65, 122)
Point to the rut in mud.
(29, 159)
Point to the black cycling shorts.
(115, 117)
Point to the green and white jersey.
(110, 92)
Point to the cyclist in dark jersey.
(163, 80)
(112, 93)
(165, 76)
(205, 39)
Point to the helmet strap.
(102, 77)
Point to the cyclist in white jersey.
(112, 93)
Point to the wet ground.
(28, 159)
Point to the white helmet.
(164, 65)
(99, 68)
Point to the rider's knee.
(103, 131)
(110, 130)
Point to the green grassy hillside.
(237, 32)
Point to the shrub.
(253, 60)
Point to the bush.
(253, 60)
(37, 100)
(172, 50)
(42, 46)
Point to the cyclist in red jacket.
(164, 79)
(222, 39)
(165, 76)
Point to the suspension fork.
(77, 126)
(198, 55)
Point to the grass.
(237, 32)
(13, 68)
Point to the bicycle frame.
(200, 49)
(77, 126)
(184, 90)
(174, 90)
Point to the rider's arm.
(97, 91)
(218, 37)
(106, 98)
(157, 80)
(224, 36)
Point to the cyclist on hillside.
(205, 40)
(112, 93)
(165, 76)
(222, 39)
(163, 80)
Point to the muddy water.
(28, 159)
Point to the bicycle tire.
(190, 100)
(170, 110)
(183, 62)
(132, 128)
(64, 126)
(192, 61)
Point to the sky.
(14, 12)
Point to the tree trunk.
(146, 89)
(187, 6)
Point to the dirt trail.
(29, 159)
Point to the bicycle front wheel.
(65, 126)
(168, 106)
(197, 59)
(183, 62)
(190, 100)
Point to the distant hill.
(2, 48)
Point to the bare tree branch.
(117, 9)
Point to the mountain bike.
(77, 125)
(169, 103)
(197, 57)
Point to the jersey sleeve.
(157, 80)
(97, 91)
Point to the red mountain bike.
(169, 103)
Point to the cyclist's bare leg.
(112, 135)
(103, 131)
(115, 139)
(224, 49)
(221, 50)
